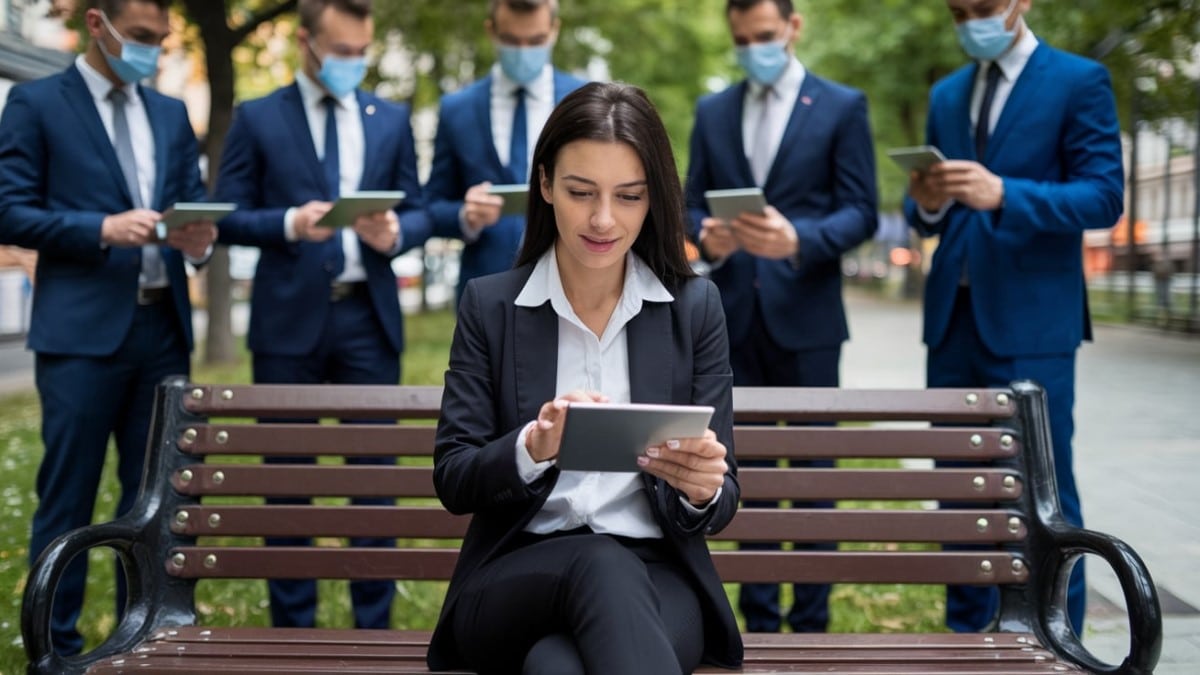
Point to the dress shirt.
(351, 151)
(786, 91)
(607, 502)
(1012, 63)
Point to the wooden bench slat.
(293, 402)
(958, 443)
(985, 485)
(764, 404)
(282, 440)
(320, 521)
(290, 480)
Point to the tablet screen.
(610, 436)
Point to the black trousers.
(580, 603)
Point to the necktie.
(154, 273)
(518, 163)
(762, 153)
(983, 121)
(335, 255)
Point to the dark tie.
(518, 163)
(982, 123)
(154, 273)
(335, 256)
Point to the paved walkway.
(1137, 457)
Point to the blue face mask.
(136, 62)
(340, 74)
(764, 62)
(986, 39)
(523, 64)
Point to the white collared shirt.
(351, 151)
(786, 92)
(140, 133)
(539, 103)
(611, 503)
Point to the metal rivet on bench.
(1022, 640)
(227, 395)
(178, 560)
(1009, 482)
(1014, 524)
(197, 393)
(182, 517)
(222, 437)
(981, 525)
(1002, 399)
(185, 476)
(976, 440)
(972, 398)
(1006, 441)
(214, 521)
(1018, 566)
(1039, 657)
(986, 567)
(210, 561)
(190, 435)
(978, 482)
(218, 477)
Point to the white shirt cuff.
(703, 509)
(470, 235)
(934, 216)
(528, 469)
(289, 225)
(196, 262)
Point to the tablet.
(183, 213)
(918, 158)
(516, 198)
(351, 206)
(611, 436)
(729, 204)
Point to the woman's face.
(600, 200)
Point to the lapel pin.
(806, 100)
(371, 109)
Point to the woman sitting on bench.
(576, 571)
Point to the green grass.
(853, 608)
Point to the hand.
(481, 209)
(545, 436)
(768, 236)
(717, 240)
(131, 228)
(969, 183)
(304, 221)
(926, 192)
(694, 466)
(193, 239)
(379, 230)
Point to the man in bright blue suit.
(806, 142)
(1034, 159)
(324, 306)
(88, 161)
(486, 133)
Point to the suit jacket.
(270, 165)
(59, 178)
(822, 180)
(464, 154)
(498, 379)
(1057, 146)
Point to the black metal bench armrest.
(1141, 601)
(122, 536)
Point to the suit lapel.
(296, 120)
(732, 120)
(536, 334)
(156, 114)
(372, 130)
(648, 339)
(482, 104)
(806, 100)
(1024, 89)
(79, 99)
(963, 134)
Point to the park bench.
(184, 528)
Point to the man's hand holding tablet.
(190, 226)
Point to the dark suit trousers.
(580, 603)
(760, 362)
(962, 360)
(84, 401)
(353, 349)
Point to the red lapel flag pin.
(806, 100)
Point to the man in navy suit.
(486, 133)
(1034, 154)
(324, 306)
(806, 142)
(88, 161)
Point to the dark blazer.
(1057, 146)
(822, 180)
(59, 178)
(502, 369)
(464, 154)
(270, 165)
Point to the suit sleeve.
(238, 181)
(446, 187)
(712, 384)
(474, 464)
(698, 179)
(414, 220)
(1091, 192)
(855, 216)
(24, 219)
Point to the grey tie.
(154, 273)
(762, 153)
